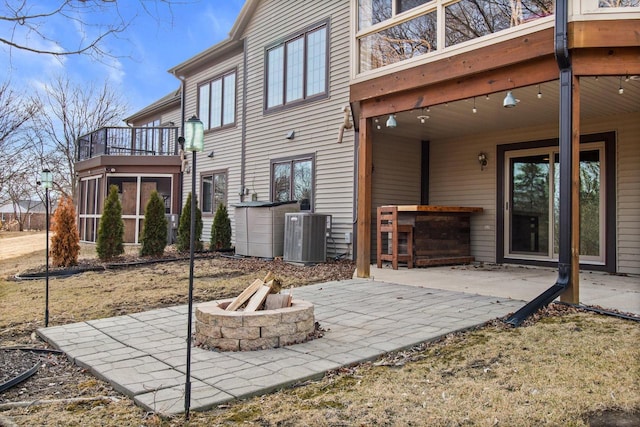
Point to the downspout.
(183, 97)
(566, 107)
(243, 142)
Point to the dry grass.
(556, 371)
(552, 373)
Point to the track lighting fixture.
(391, 121)
(509, 101)
(620, 89)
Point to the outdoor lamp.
(193, 135)
(193, 141)
(46, 178)
(509, 101)
(391, 121)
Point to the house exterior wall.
(316, 124)
(226, 143)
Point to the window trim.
(220, 77)
(214, 207)
(303, 33)
(291, 160)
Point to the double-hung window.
(217, 101)
(214, 191)
(297, 68)
(292, 179)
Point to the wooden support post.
(365, 163)
(572, 294)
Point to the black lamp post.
(46, 179)
(193, 141)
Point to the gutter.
(566, 126)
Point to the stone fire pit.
(256, 330)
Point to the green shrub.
(184, 227)
(154, 233)
(221, 229)
(111, 228)
(65, 242)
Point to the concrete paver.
(143, 355)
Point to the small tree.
(154, 233)
(65, 243)
(111, 228)
(184, 227)
(221, 229)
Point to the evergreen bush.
(221, 229)
(184, 227)
(65, 242)
(154, 232)
(111, 228)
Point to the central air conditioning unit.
(305, 237)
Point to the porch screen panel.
(529, 210)
(371, 12)
(470, 19)
(618, 3)
(407, 40)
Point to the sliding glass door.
(531, 210)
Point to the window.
(214, 191)
(297, 68)
(392, 31)
(217, 101)
(292, 179)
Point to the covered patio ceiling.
(599, 97)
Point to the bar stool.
(388, 223)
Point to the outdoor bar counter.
(441, 234)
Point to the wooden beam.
(600, 33)
(365, 163)
(572, 293)
(536, 71)
(499, 55)
(606, 61)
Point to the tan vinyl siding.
(396, 176)
(316, 124)
(225, 143)
(456, 180)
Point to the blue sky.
(143, 53)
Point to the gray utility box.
(305, 237)
(172, 227)
(260, 228)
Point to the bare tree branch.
(31, 23)
(70, 111)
